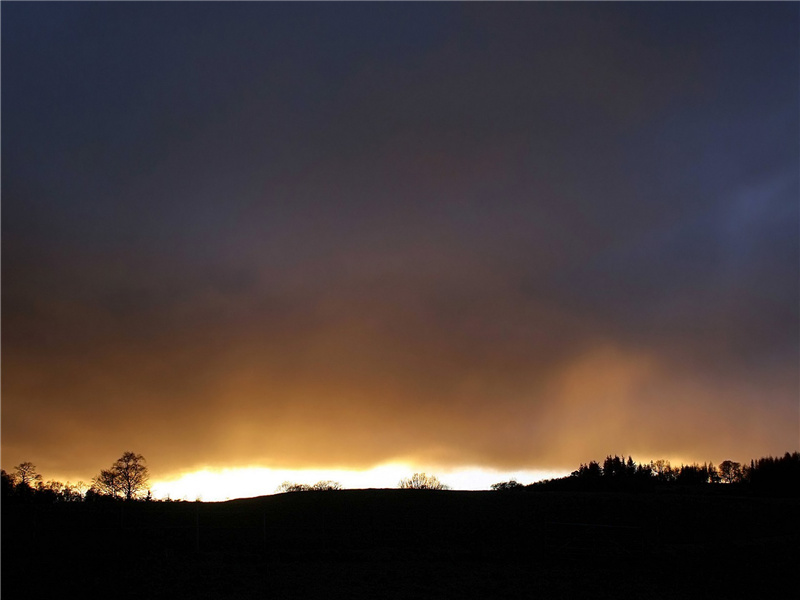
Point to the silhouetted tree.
(713, 473)
(326, 486)
(662, 470)
(507, 485)
(614, 467)
(692, 474)
(421, 481)
(127, 478)
(643, 473)
(26, 474)
(730, 471)
(290, 486)
(106, 484)
(593, 470)
(133, 475)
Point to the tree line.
(767, 474)
(127, 478)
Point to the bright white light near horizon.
(246, 482)
(473, 478)
(225, 484)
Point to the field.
(408, 544)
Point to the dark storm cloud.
(293, 235)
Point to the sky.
(504, 237)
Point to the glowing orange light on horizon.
(223, 484)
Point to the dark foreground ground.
(408, 544)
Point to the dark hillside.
(409, 543)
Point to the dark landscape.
(670, 541)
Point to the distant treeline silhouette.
(321, 486)
(128, 476)
(773, 475)
(126, 479)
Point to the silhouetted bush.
(421, 481)
(321, 486)
(505, 486)
(290, 486)
(326, 486)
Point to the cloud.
(533, 236)
(431, 368)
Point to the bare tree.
(79, 489)
(290, 486)
(326, 486)
(127, 477)
(133, 475)
(26, 474)
(421, 481)
(107, 483)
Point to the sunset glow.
(268, 241)
(226, 484)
